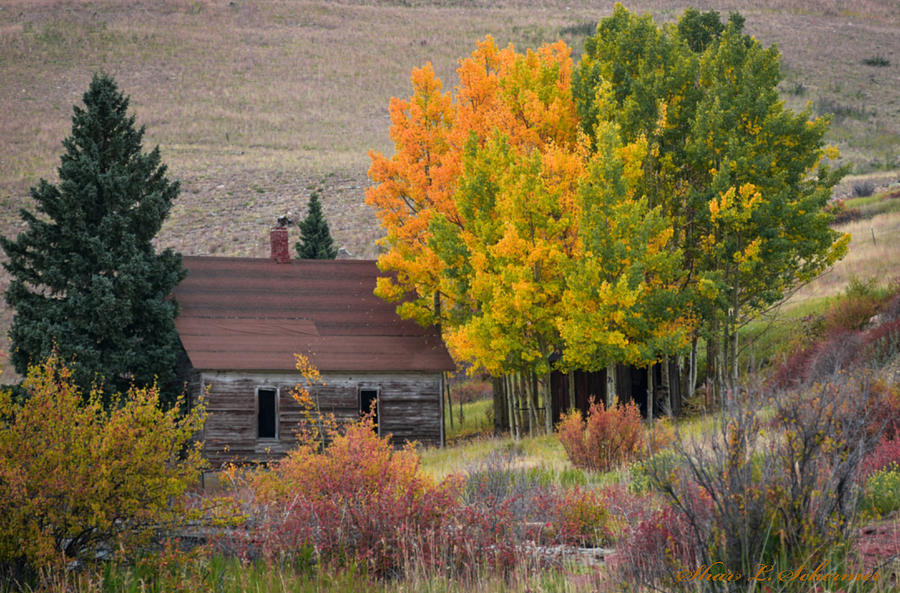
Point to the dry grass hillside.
(256, 103)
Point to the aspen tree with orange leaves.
(483, 207)
(659, 196)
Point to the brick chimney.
(278, 237)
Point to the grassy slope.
(256, 103)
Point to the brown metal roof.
(254, 314)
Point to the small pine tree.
(86, 281)
(315, 238)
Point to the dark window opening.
(368, 401)
(267, 413)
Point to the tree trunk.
(650, 392)
(667, 404)
(610, 385)
(530, 395)
(522, 402)
(572, 403)
(735, 304)
(735, 373)
(548, 405)
(511, 404)
(692, 371)
(712, 362)
(500, 421)
(460, 410)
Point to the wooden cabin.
(243, 319)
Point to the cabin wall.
(409, 408)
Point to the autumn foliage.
(502, 223)
(354, 500)
(605, 439)
(558, 216)
(75, 478)
(360, 501)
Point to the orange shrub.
(605, 439)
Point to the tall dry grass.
(874, 253)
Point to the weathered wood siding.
(409, 409)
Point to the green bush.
(877, 60)
(650, 473)
(881, 494)
(77, 481)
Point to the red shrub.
(469, 539)
(885, 454)
(880, 345)
(852, 312)
(884, 410)
(629, 507)
(362, 501)
(470, 390)
(660, 543)
(352, 501)
(607, 438)
(795, 370)
(660, 539)
(842, 214)
(819, 361)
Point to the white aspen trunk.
(530, 385)
(611, 394)
(571, 391)
(692, 372)
(524, 406)
(721, 370)
(510, 406)
(736, 374)
(665, 384)
(548, 405)
(519, 418)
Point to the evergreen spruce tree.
(315, 238)
(85, 277)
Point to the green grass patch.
(770, 336)
(883, 202)
(863, 202)
(476, 419)
(542, 458)
(880, 206)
